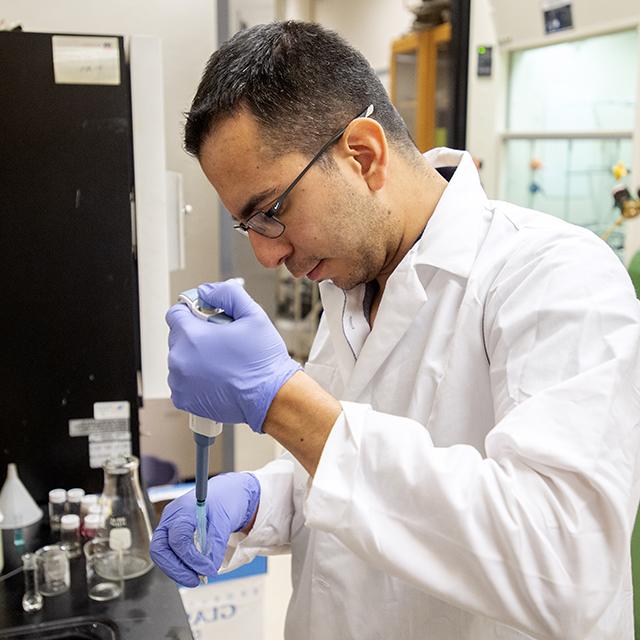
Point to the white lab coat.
(482, 480)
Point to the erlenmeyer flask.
(124, 507)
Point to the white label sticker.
(548, 5)
(111, 410)
(86, 60)
(85, 427)
(106, 445)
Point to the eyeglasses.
(265, 222)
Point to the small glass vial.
(32, 599)
(74, 500)
(87, 501)
(57, 499)
(70, 535)
(91, 525)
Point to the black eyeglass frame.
(272, 211)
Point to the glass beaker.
(124, 506)
(104, 579)
(54, 577)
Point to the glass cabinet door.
(422, 86)
(406, 100)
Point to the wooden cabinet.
(421, 84)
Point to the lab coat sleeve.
(536, 533)
(271, 532)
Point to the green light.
(482, 50)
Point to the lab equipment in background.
(74, 500)
(32, 599)
(70, 535)
(535, 164)
(84, 133)
(17, 505)
(125, 507)
(628, 206)
(91, 525)
(298, 309)
(98, 509)
(119, 543)
(103, 570)
(156, 471)
(57, 500)
(570, 107)
(204, 430)
(52, 564)
(87, 501)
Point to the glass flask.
(124, 507)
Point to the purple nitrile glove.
(232, 500)
(226, 372)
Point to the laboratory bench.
(150, 608)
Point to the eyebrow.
(253, 202)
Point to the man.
(463, 440)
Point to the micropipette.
(204, 430)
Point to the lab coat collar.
(333, 303)
(450, 242)
(399, 306)
(450, 239)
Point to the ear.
(364, 144)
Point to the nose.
(270, 252)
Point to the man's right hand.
(232, 502)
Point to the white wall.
(188, 32)
(485, 97)
(369, 25)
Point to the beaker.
(104, 581)
(124, 506)
(54, 577)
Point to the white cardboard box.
(229, 609)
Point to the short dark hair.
(300, 81)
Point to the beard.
(361, 238)
(355, 236)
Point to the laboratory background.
(105, 220)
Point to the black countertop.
(150, 607)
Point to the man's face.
(336, 227)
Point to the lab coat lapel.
(442, 247)
(402, 300)
(333, 301)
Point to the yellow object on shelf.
(619, 170)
